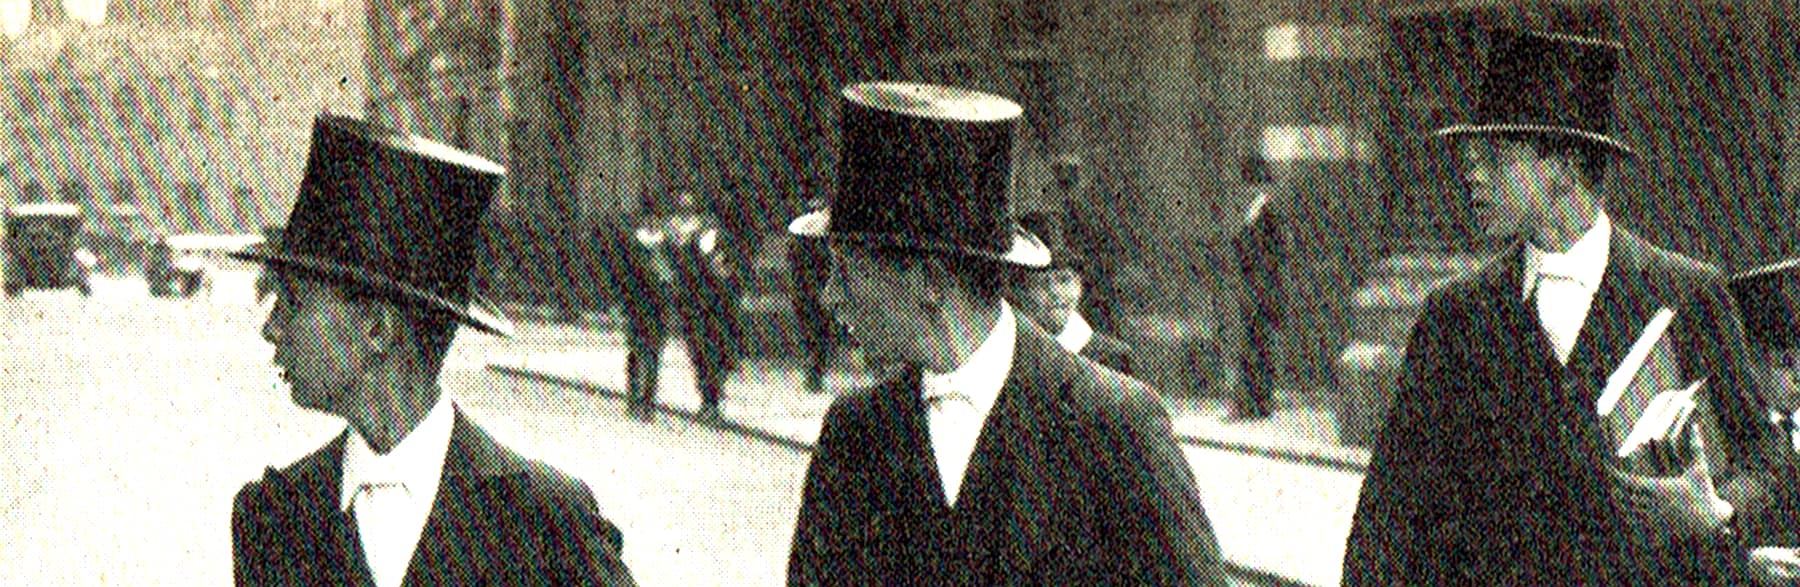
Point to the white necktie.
(954, 429)
(1562, 305)
(380, 510)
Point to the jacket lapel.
(332, 555)
(1005, 496)
(1625, 302)
(457, 544)
(1507, 342)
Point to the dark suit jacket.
(1109, 352)
(499, 519)
(1490, 470)
(1076, 480)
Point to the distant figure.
(810, 262)
(644, 288)
(1051, 297)
(687, 249)
(1261, 248)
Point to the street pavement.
(127, 424)
(1279, 495)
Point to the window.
(1335, 142)
(1291, 41)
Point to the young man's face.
(316, 331)
(886, 307)
(1511, 185)
(1047, 297)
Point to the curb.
(1253, 575)
(1335, 462)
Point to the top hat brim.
(479, 313)
(1025, 250)
(1464, 130)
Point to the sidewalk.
(1279, 494)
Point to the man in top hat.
(994, 456)
(1050, 296)
(373, 278)
(1768, 299)
(1261, 246)
(1496, 466)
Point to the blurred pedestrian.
(643, 293)
(1076, 478)
(1261, 248)
(701, 294)
(1498, 465)
(810, 263)
(1051, 297)
(373, 279)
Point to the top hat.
(1768, 301)
(926, 168)
(1546, 84)
(1048, 228)
(390, 211)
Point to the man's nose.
(271, 329)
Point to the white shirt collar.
(417, 462)
(1584, 262)
(1076, 334)
(983, 374)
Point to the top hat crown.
(926, 168)
(1547, 84)
(394, 212)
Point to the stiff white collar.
(1076, 334)
(983, 374)
(417, 462)
(1584, 262)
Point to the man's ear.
(934, 279)
(381, 326)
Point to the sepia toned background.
(162, 117)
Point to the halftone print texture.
(1310, 231)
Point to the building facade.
(174, 116)
(604, 108)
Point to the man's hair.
(1589, 159)
(983, 279)
(429, 331)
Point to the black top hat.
(390, 211)
(1768, 300)
(926, 168)
(1048, 227)
(1546, 83)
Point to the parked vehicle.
(184, 264)
(44, 251)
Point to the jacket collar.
(1004, 494)
(1628, 296)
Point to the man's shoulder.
(529, 478)
(309, 473)
(1088, 389)
(1668, 264)
(860, 404)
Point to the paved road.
(127, 424)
